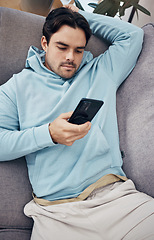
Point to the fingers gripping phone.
(85, 111)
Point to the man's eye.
(62, 48)
(79, 51)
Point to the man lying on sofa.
(80, 190)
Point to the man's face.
(65, 51)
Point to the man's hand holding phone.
(72, 126)
(63, 132)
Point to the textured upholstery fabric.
(19, 30)
(15, 193)
(135, 106)
(15, 234)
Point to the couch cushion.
(96, 46)
(16, 191)
(135, 107)
(18, 30)
(15, 234)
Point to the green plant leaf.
(112, 7)
(93, 5)
(121, 11)
(108, 7)
(137, 14)
(103, 7)
(78, 4)
(142, 9)
(113, 11)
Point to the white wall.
(143, 18)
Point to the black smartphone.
(85, 110)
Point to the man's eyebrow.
(66, 45)
(61, 43)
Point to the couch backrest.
(18, 30)
(135, 109)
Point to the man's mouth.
(68, 65)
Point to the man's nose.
(70, 55)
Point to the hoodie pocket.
(98, 147)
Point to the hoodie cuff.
(42, 136)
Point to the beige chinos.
(114, 212)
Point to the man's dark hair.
(64, 16)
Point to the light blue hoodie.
(32, 99)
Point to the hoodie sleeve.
(13, 142)
(126, 44)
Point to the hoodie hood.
(36, 59)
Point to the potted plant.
(114, 7)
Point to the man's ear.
(44, 43)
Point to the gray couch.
(135, 108)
